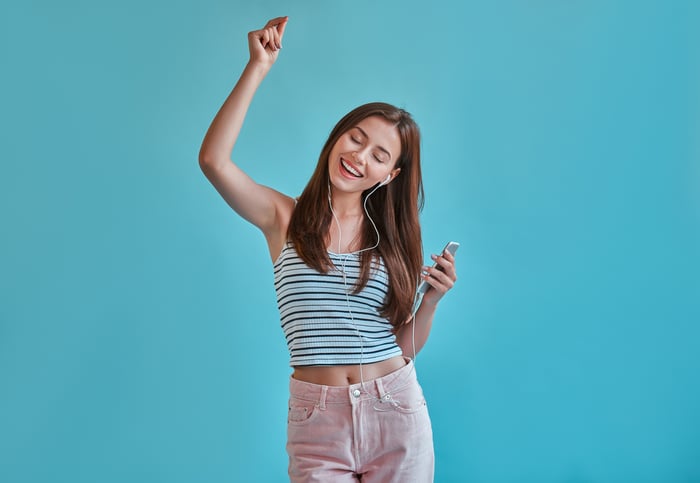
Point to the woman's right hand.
(264, 44)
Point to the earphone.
(386, 398)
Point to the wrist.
(258, 68)
(429, 303)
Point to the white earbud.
(388, 178)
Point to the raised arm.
(260, 205)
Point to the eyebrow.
(380, 147)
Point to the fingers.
(275, 21)
(281, 26)
(443, 277)
(267, 38)
(276, 38)
(438, 279)
(270, 38)
(446, 266)
(447, 262)
(276, 28)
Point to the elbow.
(205, 158)
(208, 161)
(204, 163)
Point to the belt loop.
(380, 387)
(322, 402)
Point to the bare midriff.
(347, 375)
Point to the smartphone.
(451, 247)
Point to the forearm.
(441, 279)
(224, 129)
(418, 329)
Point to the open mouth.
(349, 169)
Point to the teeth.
(351, 169)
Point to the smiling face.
(365, 155)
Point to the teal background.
(139, 335)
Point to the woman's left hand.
(440, 279)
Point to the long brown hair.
(394, 209)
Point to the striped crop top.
(323, 321)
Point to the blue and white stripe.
(323, 321)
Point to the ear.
(393, 175)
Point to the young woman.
(347, 259)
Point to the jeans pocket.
(408, 399)
(300, 411)
(410, 407)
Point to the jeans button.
(356, 393)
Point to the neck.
(347, 205)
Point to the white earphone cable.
(386, 398)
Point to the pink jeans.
(378, 431)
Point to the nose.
(358, 156)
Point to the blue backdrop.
(139, 335)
